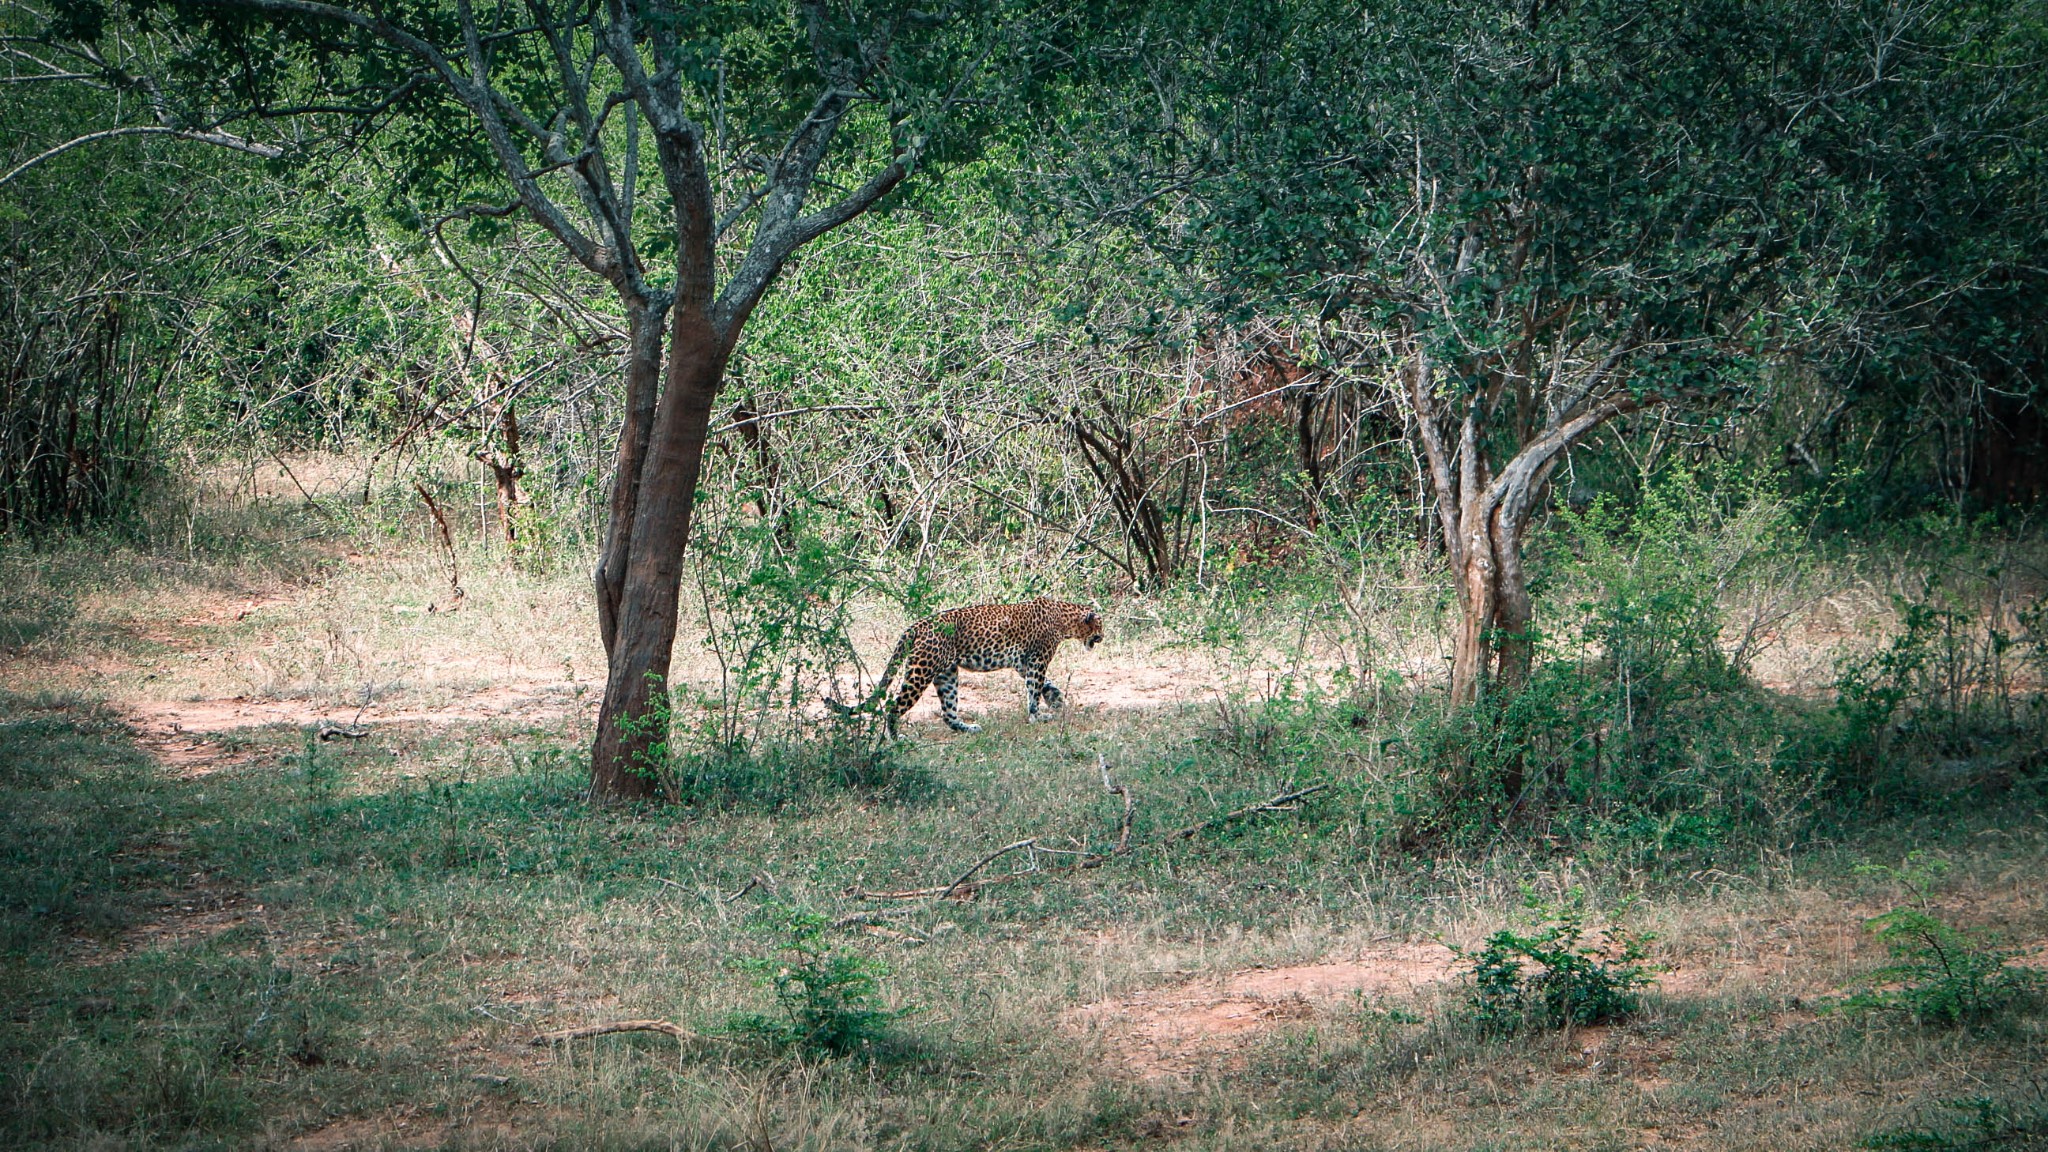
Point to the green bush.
(1637, 727)
(1551, 976)
(827, 1001)
(1938, 973)
(1936, 708)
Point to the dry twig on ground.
(588, 1030)
(447, 547)
(966, 884)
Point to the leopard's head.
(1090, 628)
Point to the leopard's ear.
(1091, 618)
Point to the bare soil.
(1175, 1030)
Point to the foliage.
(1983, 1124)
(1637, 725)
(1946, 690)
(1938, 973)
(774, 581)
(1573, 981)
(828, 1000)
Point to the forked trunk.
(1494, 646)
(1478, 594)
(643, 385)
(641, 629)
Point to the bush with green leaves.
(1551, 976)
(827, 1001)
(1944, 702)
(1637, 726)
(1938, 974)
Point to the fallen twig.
(984, 862)
(588, 1030)
(1123, 836)
(447, 545)
(757, 880)
(1289, 801)
(1285, 802)
(354, 730)
(896, 934)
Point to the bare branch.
(219, 139)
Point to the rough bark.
(644, 632)
(644, 321)
(1485, 515)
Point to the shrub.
(827, 1001)
(1938, 973)
(1551, 977)
(1940, 694)
(1636, 726)
(1986, 1123)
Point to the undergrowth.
(828, 1000)
(1550, 975)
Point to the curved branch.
(226, 140)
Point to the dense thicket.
(1202, 291)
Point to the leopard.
(981, 638)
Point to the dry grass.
(244, 937)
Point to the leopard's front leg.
(948, 684)
(1038, 688)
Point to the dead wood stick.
(1123, 836)
(896, 934)
(447, 545)
(870, 916)
(588, 1030)
(757, 880)
(984, 862)
(1285, 802)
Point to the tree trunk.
(1484, 514)
(643, 627)
(643, 379)
(1476, 599)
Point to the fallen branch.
(447, 545)
(1285, 802)
(354, 729)
(589, 1030)
(896, 934)
(757, 880)
(1123, 836)
(984, 862)
(967, 885)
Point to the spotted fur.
(982, 638)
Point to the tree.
(1524, 221)
(748, 111)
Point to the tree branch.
(220, 139)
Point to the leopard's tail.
(881, 686)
